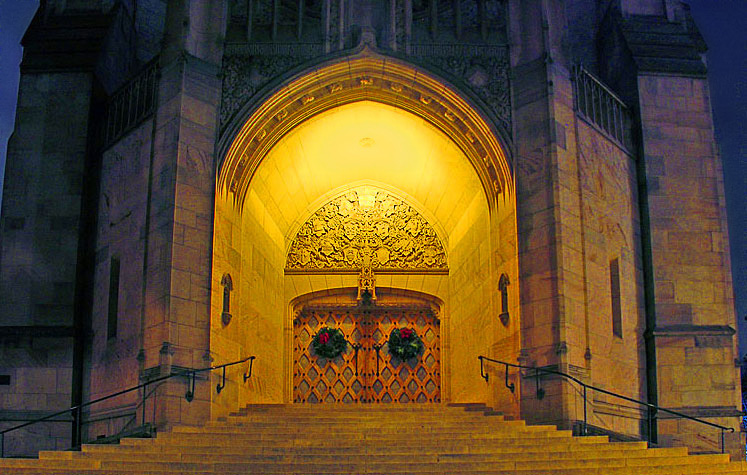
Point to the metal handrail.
(189, 395)
(653, 408)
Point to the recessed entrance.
(366, 372)
(381, 182)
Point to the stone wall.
(695, 321)
(39, 251)
(40, 371)
(113, 353)
(471, 310)
(610, 232)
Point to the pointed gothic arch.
(324, 132)
(364, 76)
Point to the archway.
(299, 151)
(366, 371)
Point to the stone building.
(191, 182)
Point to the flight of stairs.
(370, 439)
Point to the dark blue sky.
(723, 23)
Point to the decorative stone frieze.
(380, 232)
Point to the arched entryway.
(359, 133)
(367, 371)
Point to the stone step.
(78, 463)
(263, 422)
(390, 466)
(673, 470)
(695, 464)
(150, 446)
(248, 442)
(313, 429)
(523, 455)
(369, 439)
(401, 416)
(399, 440)
(417, 466)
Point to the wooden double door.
(366, 372)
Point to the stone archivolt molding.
(381, 233)
(365, 76)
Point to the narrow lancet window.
(503, 284)
(111, 326)
(615, 294)
(227, 284)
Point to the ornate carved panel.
(243, 75)
(355, 231)
(370, 374)
(484, 70)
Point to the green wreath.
(329, 342)
(404, 343)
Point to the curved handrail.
(603, 391)
(188, 395)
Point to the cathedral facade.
(193, 182)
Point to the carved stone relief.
(356, 231)
(244, 75)
(487, 75)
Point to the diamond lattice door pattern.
(370, 374)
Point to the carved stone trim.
(366, 284)
(365, 75)
(354, 231)
(694, 330)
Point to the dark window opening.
(615, 293)
(111, 328)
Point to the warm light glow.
(359, 143)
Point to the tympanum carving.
(355, 231)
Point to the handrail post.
(248, 374)
(190, 394)
(78, 425)
(540, 391)
(723, 445)
(511, 387)
(482, 370)
(221, 385)
(145, 392)
(586, 432)
(650, 416)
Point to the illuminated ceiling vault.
(368, 77)
(372, 144)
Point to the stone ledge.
(693, 330)
(700, 412)
(46, 331)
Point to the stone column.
(44, 226)
(181, 209)
(550, 262)
(691, 318)
(696, 346)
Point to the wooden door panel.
(415, 380)
(369, 376)
(317, 379)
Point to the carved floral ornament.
(353, 231)
(365, 76)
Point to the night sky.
(723, 23)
